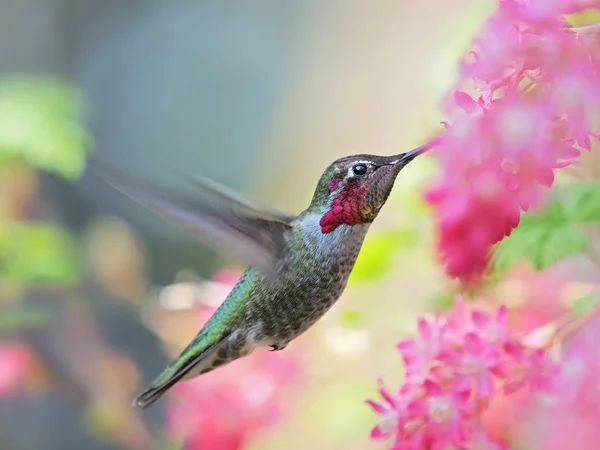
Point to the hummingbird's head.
(353, 189)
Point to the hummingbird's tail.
(197, 359)
(170, 376)
(189, 364)
(151, 394)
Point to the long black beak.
(405, 158)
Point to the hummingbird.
(298, 266)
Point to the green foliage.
(39, 123)
(442, 301)
(585, 304)
(586, 17)
(582, 201)
(377, 254)
(351, 319)
(547, 236)
(31, 252)
(543, 238)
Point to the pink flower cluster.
(227, 408)
(537, 79)
(16, 361)
(454, 369)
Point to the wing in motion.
(218, 217)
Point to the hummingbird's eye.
(359, 170)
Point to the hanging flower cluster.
(537, 79)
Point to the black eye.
(359, 170)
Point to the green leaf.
(560, 242)
(351, 319)
(39, 123)
(585, 304)
(543, 238)
(377, 254)
(31, 252)
(522, 242)
(16, 319)
(582, 202)
(442, 301)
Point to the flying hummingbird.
(298, 265)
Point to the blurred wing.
(229, 224)
(223, 194)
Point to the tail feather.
(150, 395)
(170, 376)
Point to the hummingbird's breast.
(313, 275)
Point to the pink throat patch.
(346, 208)
(333, 183)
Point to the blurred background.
(97, 294)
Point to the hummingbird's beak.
(405, 158)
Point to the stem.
(571, 325)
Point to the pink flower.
(523, 366)
(458, 365)
(418, 354)
(473, 365)
(420, 417)
(227, 408)
(539, 78)
(223, 410)
(493, 330)
(15, 362)
(392, 411)
(443, 415)
(478, 439)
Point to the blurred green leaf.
(586, 17)
(377, 254)
(442, 301)
(582, 202)
(32, 252)
(543, 238)
(351, 319)
(17, 318)
(585, 304)
(560, 242)
(39, 123)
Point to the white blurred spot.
(178, 296)
(213, 293)
(541, 336)
(517, 126)
(343, 341)
(487, 187)
(182, 296)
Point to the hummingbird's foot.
(275, 347)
